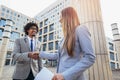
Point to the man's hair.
(28, 26)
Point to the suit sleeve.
(87, 60)
(44, 54)
(17, 55)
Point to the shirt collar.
(29, 38)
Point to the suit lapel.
(27, 43)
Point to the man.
(25, 53)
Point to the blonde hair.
(70, 22)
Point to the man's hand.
(33, 55)
(58, 77)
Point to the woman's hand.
(58, 77)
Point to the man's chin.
(33, 35)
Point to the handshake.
(33, 55)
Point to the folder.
(44, 74)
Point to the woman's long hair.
(70, 22)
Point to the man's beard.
(34, 35)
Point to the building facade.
(113, 55)
(19, 20)
(116, 37)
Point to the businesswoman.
(75, 53)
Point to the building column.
(89, 12)
(4, 45)
(116, 36)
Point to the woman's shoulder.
(81, 28)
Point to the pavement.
(8, 72)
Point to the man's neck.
(31, 36)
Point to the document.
(44, 74)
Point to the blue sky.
(110, 10)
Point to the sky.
(110, 10)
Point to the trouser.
(30, 76)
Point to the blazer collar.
(27, 42)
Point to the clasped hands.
(33, 55)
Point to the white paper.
(44, 74)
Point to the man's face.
(32, 31)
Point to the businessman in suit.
(75, 53)
(25, 53)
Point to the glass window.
(41, 24)
(117, 66)
(116, 57)
(0, 41)
(40, 39)
(15, 14)
(40, 33)
(2, 14)
(111, 47)
(56, 45)
(13, 62)
(112, 65)
(2, 22)
(50, 46)
(44, 47)
(45, 30)
(46, 22)
(8, 54)
(51, 36)
(3, 9)
(8, 11)
(1, 32)
(112, 56)
(51, 27)
(44, 38)
(14, 36)
(7, 62)
(10, 45)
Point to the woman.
(75, 53)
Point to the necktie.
(31, 45)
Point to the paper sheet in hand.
(44, 74)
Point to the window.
(40, 33)
(3, 9)
(46, 22)
(45, 30)
(112, 65)
(44, 47)
(0, 41)
(8, 11)
(2, 14)
(111, 46)
(56, 45)
(1, 32)
(116, 57)
(15, 14)
(40, 39)
(8, 54)
(13, 62)
(14, 35)
(44, 38)
(51, 27)
(10, 45)
(41, 24)
(2, 22)
(117, 66)
(50, 46)
(112, 56)
(7, 62)
(18, 15)
(51, 36)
